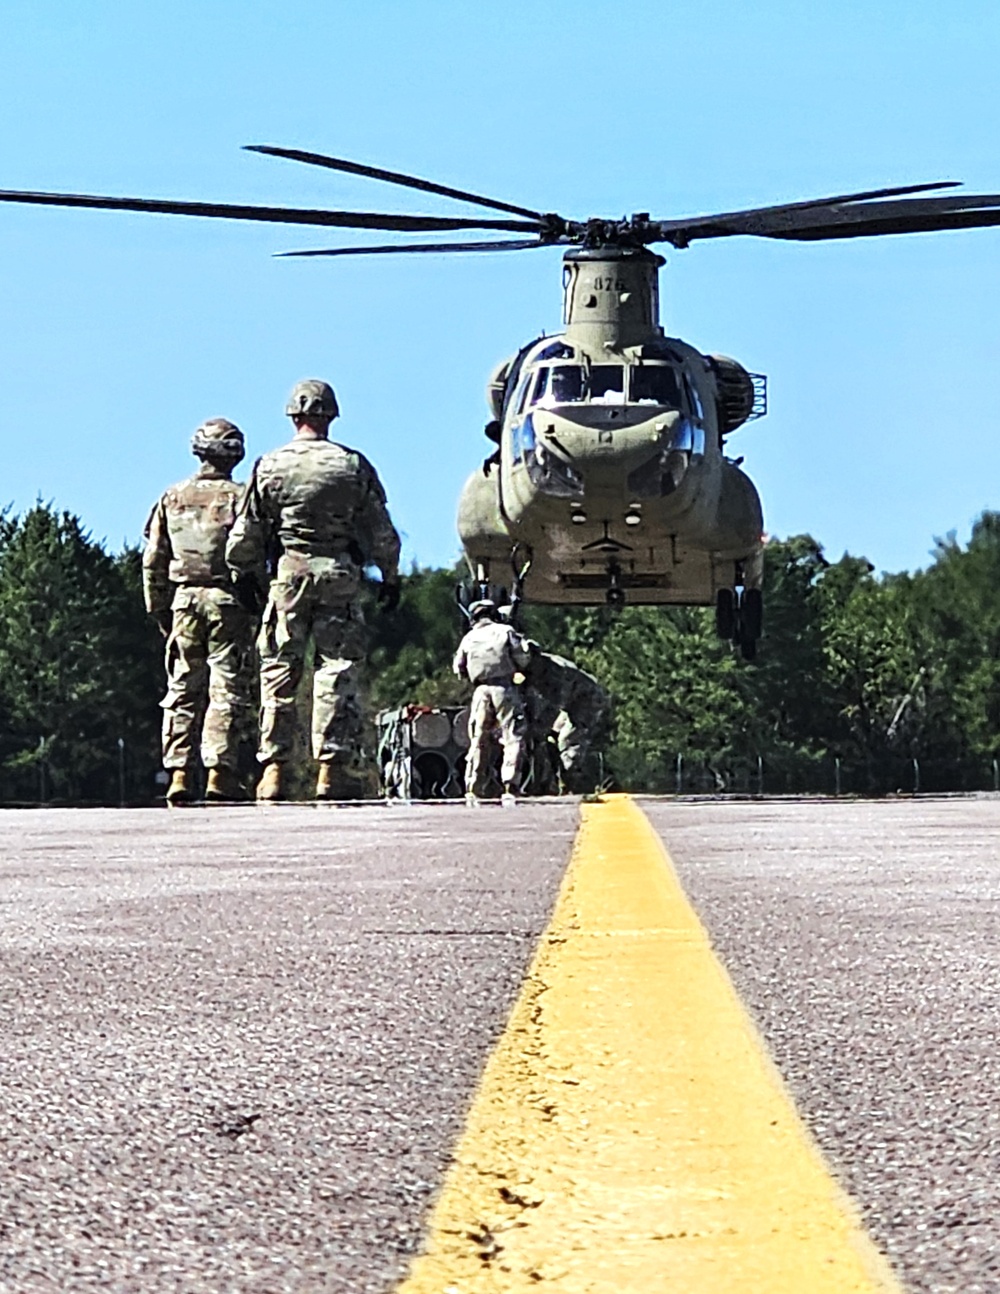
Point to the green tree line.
(862, 682)
(858, 675)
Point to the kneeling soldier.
(492, 655)
(209, 633)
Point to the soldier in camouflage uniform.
(492, 656)
(314, 515)
(209, 634)
(570, 706)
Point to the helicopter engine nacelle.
(496, 387)
(734, 393)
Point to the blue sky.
(119, 333)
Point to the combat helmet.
(219, 440)
(482, 608)
(312, 399)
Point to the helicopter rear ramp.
(249, 1048)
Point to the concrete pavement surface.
(865, 940)
(238, 1044)
(630, 1134)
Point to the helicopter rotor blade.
(974, 211)
(510, 245)
(732, 222)
(273, 215)
(390, 177)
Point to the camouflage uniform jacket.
(491, 653)
(562, 686)
(313, 503)
(186, 537)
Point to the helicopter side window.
(655, 384)
(607, 384)
(521, 398)
(566, 384)
(694, 399)
(538, 389)
(689, 434)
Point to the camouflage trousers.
(496, 709)
(577, 729)
(297, 612)
(208, 661)
(572, 742)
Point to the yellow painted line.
(630, 1132)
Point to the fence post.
(760, 774)
(916, 775)
(121, 772)
(836, 776)
(41, 770)
(996, 775)
(679, 776)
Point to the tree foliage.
(860, 678)
(857, 677)
(78, 665)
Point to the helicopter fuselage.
(610, 474)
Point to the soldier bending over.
(568, 709)
(313, 517)
(492, 655)
(209, 634)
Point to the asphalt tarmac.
(238, 1044)
(865, 939)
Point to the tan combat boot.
(334, 782)
(179, 790)
(269, 786)
(221, 785)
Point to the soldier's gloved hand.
(164, 621)
(387, 595)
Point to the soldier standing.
(313, 517)
(492, 655)
(209, 634)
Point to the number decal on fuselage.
(602, 284)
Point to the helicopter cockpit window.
(655, 384)
(566, 386)
(555, 350)
(521, 398)
(557, 384)
(607, 384)
(538, 390)
(562, 384)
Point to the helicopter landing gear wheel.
(725, 613)
(749, 622)
(752, 613)
(739, 618)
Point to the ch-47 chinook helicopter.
(610, 480)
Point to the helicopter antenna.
(390, 177)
